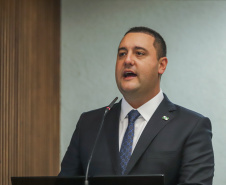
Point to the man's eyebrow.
(138, 47)
(122, 48)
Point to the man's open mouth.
(129, 74)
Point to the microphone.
(108, 108)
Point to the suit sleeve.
(71, 164)
(198, 159)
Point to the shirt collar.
(146, 110)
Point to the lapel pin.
(165, 118)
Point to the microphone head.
(111, 104)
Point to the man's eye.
(121, 54)
(140, 53)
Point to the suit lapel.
(112, 131)
(153, 127)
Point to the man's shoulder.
(94, 111)
(92, 118)
(183, 111)
(188, 112)
(99, 112)
(188, 118)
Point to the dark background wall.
(29, 88)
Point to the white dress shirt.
(146, 111)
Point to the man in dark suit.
(144, 133)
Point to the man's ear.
(162, 65)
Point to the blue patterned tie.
(126, 147)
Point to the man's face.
(137, 69)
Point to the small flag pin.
(165, 118)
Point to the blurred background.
(58, 60)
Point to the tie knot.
(133, 115)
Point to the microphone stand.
(98, 134)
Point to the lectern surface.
(103, 180)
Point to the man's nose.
(129, 60)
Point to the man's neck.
(137, 101)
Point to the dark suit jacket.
(180, 148)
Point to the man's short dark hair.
(159, 42)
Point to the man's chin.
(128, 90)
